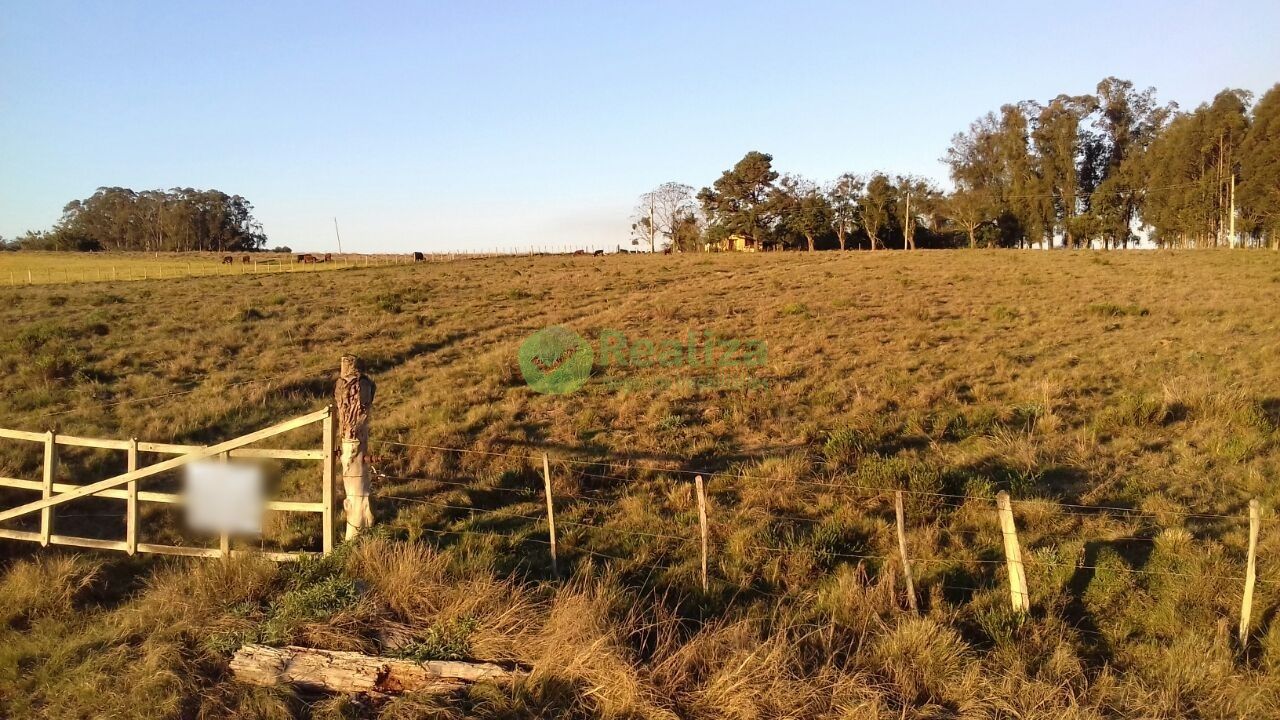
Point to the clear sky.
(433, 126)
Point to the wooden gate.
(125, 486)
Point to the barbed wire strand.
(846, 486)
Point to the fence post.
(902, 550)
(50, 465)
(1251, 570)
(131, 506)
(354, 398)
(326, 517)
(1013, 555)
(551, 513)
(702, 522)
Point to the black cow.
(228, 260)
(419, 257)
(597, 253)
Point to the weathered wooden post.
(1013, 555)
(353, 396)
(551, 513)
(326, 493)
(902, 550)
(1251, 571)
(50, 469)
(131, 506)
(702, 524)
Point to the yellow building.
(734, 243)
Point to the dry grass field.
(1144, 384)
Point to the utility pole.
(907, 242)
(335, 232)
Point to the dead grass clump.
(926, 663)
(581, 657)
(44, 586)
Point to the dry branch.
(352, 672)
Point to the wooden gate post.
(353, 395)
(1251, 571)
(326, 493)
(50, 467)
(131, 507)
(1013, 555)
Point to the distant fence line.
(212, 267)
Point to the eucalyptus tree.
(802, 209)
(1258, 196)
(875, 207)
(843, 196)
(1190, 169)
(1128, 121)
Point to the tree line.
(1101, 170)
(180, 219)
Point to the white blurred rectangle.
(223, 497)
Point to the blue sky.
(432, 126)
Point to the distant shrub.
(795, 309)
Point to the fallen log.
(353, 672)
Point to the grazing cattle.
(597, 253)
(307, 259)
(579, 252)
(245, 260)
(666, 250)
(328, 257)
(419, 257)
(228, 260)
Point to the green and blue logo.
(555, 360)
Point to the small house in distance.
(734, 243)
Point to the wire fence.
(605, 470)
(1036, 557)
